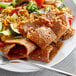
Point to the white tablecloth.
(68, 64)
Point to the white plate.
(67, 48)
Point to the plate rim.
(35, 70)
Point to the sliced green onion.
(18, 1)
(32, 7)
(2, 15)
(21, 15)
(61, 6)
(16, 37)
(14, 16)
(14, 3)
(4, 5)
(46, 10)
(1, 26)
(6, 32)
(61, 0)
(13, 30)
(41, 11)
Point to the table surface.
(68, 64)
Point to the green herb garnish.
(61, 6)
(32, 7)
(43, 11)
(1, 27)
(16, 37)
(4, 5)
(14, 3)
(21, 15)
(6, 32)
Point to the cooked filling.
(18, 50)
(32, 29)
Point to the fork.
(4, 61)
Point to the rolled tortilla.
(13, 51)
(48, 54)
(58, 28)
(57, 24)
(32, 25)
(18, 48)
(70, 31)
(41, 55)
(42, 36)
(68, 34)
